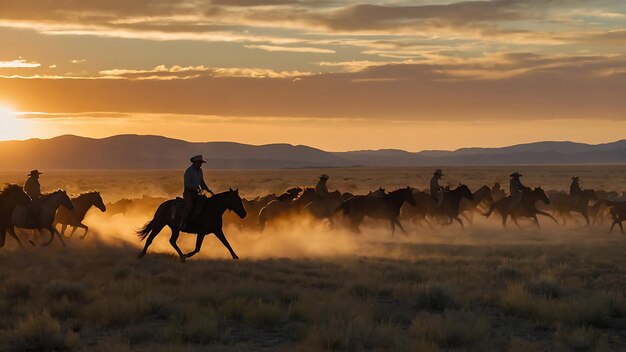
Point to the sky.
(333, 74)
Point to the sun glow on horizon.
(11, 126)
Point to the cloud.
(19, 63)
(163, 72)
(291, 49)
(78, 61)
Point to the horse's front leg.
(86, 228)
(173, 239)
(53, 231)
(540, 212)
(222, 238)
(400, 226)
(458, 219)
(199, 240)
(393, 227)
(74, 228)
(51, 237)
(63, 228)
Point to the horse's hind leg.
(14, 235)
(55, 231)
(74, 228)
(199, 240)
(393, 227)
(173, 239)
(155, 231)
(3, 236)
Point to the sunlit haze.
(337, 75)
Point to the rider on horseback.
(575, 191)
(436, 191)
(33, 189)
(321, 189)
(194, 185)
(517, 189)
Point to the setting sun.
(11, 127)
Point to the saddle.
(192, 221)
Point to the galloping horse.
(450, 206)
(48, 205)
(75, 217)
(563, 204)
(482, 197)
(526, 208)
(209, 221)
(323, 207)
(284, 207)
(424, 205)
(11, 196)
(618, 212)
(386, 207)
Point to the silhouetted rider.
(575, 190)
(194, 185)
(321, 189)
(516, 188)
(32, 186)
(436, 191)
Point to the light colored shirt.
(194, 180)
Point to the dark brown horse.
(618, 213)
(482, 199)
(282, 208)
(563, 204)
(75, 217)
(386, 207)
(450, 206)
(47, 208)
(209, 220)
(525, 209)
(11, 197)
(424, 205)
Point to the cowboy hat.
(197, 158)
(515, 174)
(439, 172)
(574, 178)
(324, 177)
(35, 172)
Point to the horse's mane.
(50, 194)
(86, 194)
(304, 191)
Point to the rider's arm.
(203, 184)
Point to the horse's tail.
(145, 231)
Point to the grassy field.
(301, 287)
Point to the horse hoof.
(235, 257)
(140, 255)
(182, 259)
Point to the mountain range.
(125, 152)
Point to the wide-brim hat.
(515, 174)
(439, 172)
(324, 177)
(197, 158)
(35, 172)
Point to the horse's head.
(98, 202)
(540, 195)
(235, 203)
(465, 192)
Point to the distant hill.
(155, 152)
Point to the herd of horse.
(404, 204)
